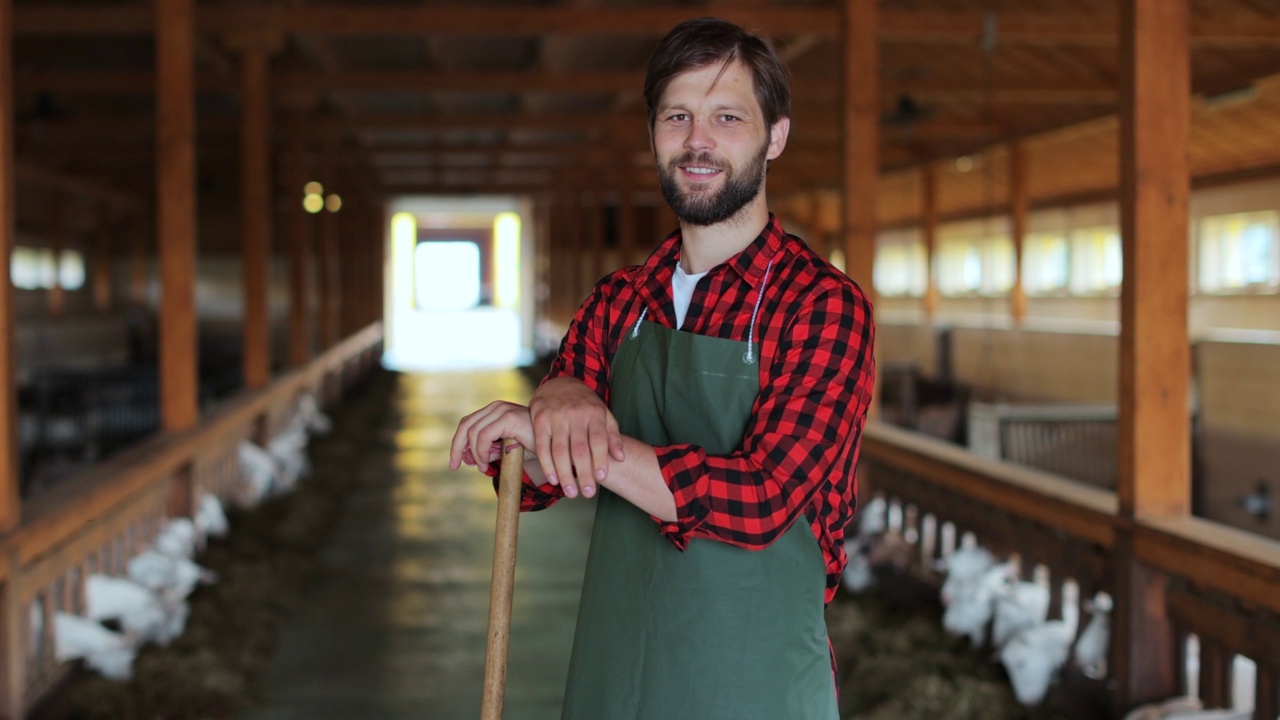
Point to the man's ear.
(778, 137)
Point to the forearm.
(638, 480)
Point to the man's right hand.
(573, 428)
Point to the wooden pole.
(861, 138)
(57, 295)
(101, 263)
(502, 587)
(1018, 204)
(10, 502)
(255, 202)
(929, 229)
(326, 257)
(1155, 363)
(176, 211)
(299, 225)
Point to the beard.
(705, 207)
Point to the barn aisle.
(395, 625)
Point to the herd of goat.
(986, 601)
(149, 603)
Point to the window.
(1046, 263)
(1096, 260)
(1239, 251)
(901, 269)
(974, 266)
(71, 270)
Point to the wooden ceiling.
(520, 96)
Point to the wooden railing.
(97, 521)
(1220, 584)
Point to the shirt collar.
(750, 264)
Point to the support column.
(299, 247)
(1018, 204)
(255, 199)
(57, 295)
(326, 257)
(100, 270)
(13, 613)
(1155, 362)
(176, 211)
(10, 503)
(861, 138)
(929, 231)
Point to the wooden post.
(326, 257)
(101, 263)
(10, 503)
(1018, 204)
(1154, 427)
(176, 211)
(502, 583)
(57, 295)
(861, 138)
(255, 199)
(929, 229)
(300, 320)
(139, 273)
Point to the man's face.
(711, 143)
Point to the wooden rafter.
(909, 26)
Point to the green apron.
(715, 631)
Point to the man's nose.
(700, 136)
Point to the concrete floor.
(396, 625)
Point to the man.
(714, 399)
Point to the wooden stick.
(504, 574)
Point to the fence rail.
(1219, 584)
(96, 521)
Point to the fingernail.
(600, 474)
(589, 491)
(553, 479)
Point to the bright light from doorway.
(446, 275)
(506, 234)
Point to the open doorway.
(457, 284)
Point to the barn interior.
(1067, 214)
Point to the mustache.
(699, 159)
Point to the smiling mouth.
(700, 171)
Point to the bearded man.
(713, 399)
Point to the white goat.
(141, 613)
(964, 567)
(971, 604)
(258, 471)
(1034, 656)
(174, 578)
(1019, 605)
(1095, 640)
(110, 653)
(210, 519)
(317, 421)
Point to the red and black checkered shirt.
(800, 449)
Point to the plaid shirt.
(800, 448)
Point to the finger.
(598, 444)
(615, 439)
(542, 448)
(461, 440)
(563, 463)
(580, 451)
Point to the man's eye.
(729, 118)
(678, 117)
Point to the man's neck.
(706, 246)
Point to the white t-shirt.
(682, 285)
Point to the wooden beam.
(11, 659)
(929, 229)
(1018, 208)
(1060, 29)
(860, 122)
(299, 229)
(255, 203)
(1070, 92)
(1154, 432)
(176, 210)
(100, 264)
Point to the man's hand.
(573, 428)
(478, 439)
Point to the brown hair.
(700, 42)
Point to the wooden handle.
(510, 478)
